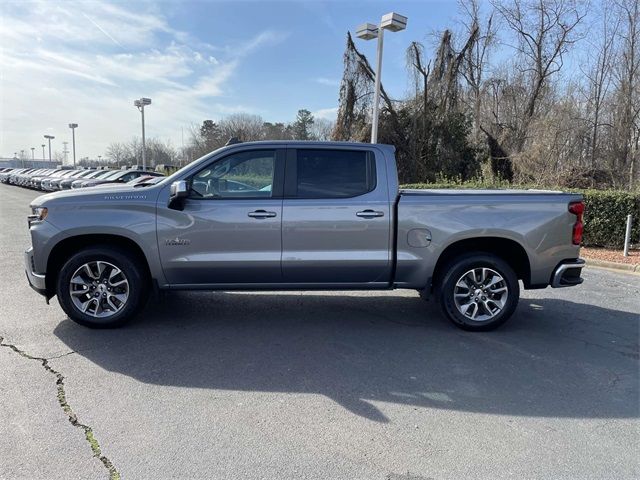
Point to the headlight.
(38, 214)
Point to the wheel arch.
(506, 249)
(61, 252)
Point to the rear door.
(336, 217)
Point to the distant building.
(18, 163)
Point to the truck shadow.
(555, 358)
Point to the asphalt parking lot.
(317, 385)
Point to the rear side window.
(334, 173)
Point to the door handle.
(369, 214)
(262, 214)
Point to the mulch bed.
(611, 255)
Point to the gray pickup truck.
(300, 215)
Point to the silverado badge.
(176, 241)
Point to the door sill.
(281, 286)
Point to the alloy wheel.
(99, 289)
(480, 294)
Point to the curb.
(625, 267)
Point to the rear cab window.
(329, 173)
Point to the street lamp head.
(73, 125)
(42, 145)
(50, 137)
(367, 31)
(393, 22)
(142, 102)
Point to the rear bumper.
(36, 280)
(567, 274)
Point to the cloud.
(330, 82)
(94, 58)
(326, 113)
(268, 37)
(107, 34)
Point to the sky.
(85, 62)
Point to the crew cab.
(300, 215)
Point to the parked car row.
(53, 179)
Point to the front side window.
(334, 173)
(240, 175)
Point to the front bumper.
(36, 280)
(567, 274)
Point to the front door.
(229, 230)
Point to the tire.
(495, 296)
(118, 279)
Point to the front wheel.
(479, 292)
(101, 287)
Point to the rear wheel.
(479, 292)
(101, 287)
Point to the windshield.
(84, 174)
(117, 174)
(145, 181)
(109, 174)
(100, 173)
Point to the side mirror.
(179, 191)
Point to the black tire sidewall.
(451, 276)
(118, 257)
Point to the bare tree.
(116, 152)
(160, 153)
(244, 126)
(599, 76)
(476, 57)
(276, 131)
(356, 97)
(627, 128)
(322, 129)
(134, 151)
(544, 31)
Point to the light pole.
(140, 104)
(65, 150)
(33, 153)
(43, 151)
(49, 137)
(368, 31)
(73, 127)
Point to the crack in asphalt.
(62, 355)
(62, 400)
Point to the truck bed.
(464, 191)
(431, 220)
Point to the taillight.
(577, 208)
